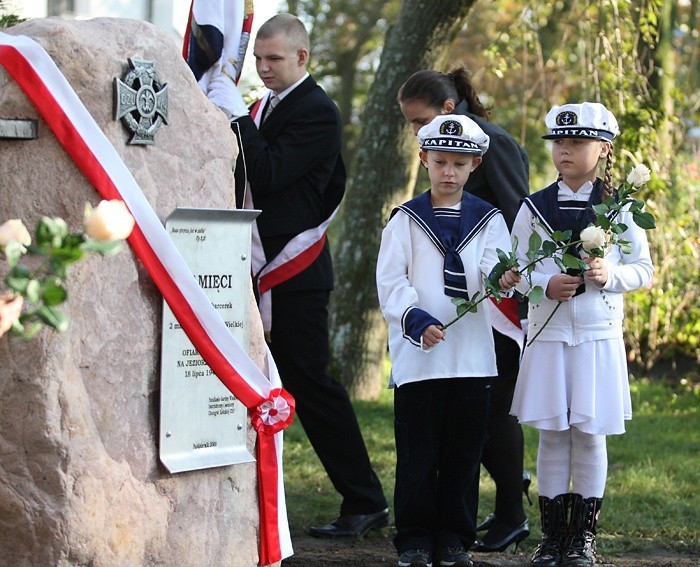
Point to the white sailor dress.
(574, 374)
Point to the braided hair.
(607, 178)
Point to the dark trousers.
(299, 345)
(503, 452)
(439, 427)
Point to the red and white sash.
(505, 319)
(297, 255)
(271, 407)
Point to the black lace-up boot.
(579, 550)
(553, 512)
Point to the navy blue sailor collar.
(546, 207)
(475, 214)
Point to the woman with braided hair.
(573, 383)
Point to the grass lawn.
(651, 499)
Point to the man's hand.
(224, 93)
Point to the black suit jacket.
(296, 174)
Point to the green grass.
(651, 499)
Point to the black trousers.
(299, 345)
(503, 452)
(440, 427)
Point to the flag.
(216, 38)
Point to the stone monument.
(80, 479)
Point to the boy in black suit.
(290, 143)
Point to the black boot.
(579, 550)
(553, 512)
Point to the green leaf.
(644, 220)
(625, 246)
(31, 330)
(535, 242)
(104, 248)
(17, 285)
(549, 247)
(458, 300)
(492, 287)
(600, 209)
(462, 309)
(21, 271)
(536, 295)
(619, 227)
(67, 255)
(33, 291)
(53, 318)
(51, 232)
(17, 329)
(13, 252)
(561, 236)
(53, 293)
(604, 222)
(573, 262)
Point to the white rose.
(593, 237)
(14, 229)
(639, 175)
(109, 221)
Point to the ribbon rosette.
(275, 413)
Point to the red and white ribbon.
(44, 84)
(297, 255)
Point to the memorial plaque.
(202, 424)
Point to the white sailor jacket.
(598, 312)
(410, 277)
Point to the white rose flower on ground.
(14, 230)
(109, 221)
(639, 175)
(593, 238)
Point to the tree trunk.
(663, 81)
(381, 176)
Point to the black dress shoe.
(503, 540)
(487, 523)
(352, 525)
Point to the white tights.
(571, 453)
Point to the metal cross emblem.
(141, 101)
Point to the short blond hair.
(288, 25)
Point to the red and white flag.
(216, 38)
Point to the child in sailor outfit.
(572, 384)
(437, 246)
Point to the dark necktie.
(270, 106)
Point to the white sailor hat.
(453, 133)
(586, 120)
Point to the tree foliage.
(638, 57)
(347, 38)
(7, 18)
